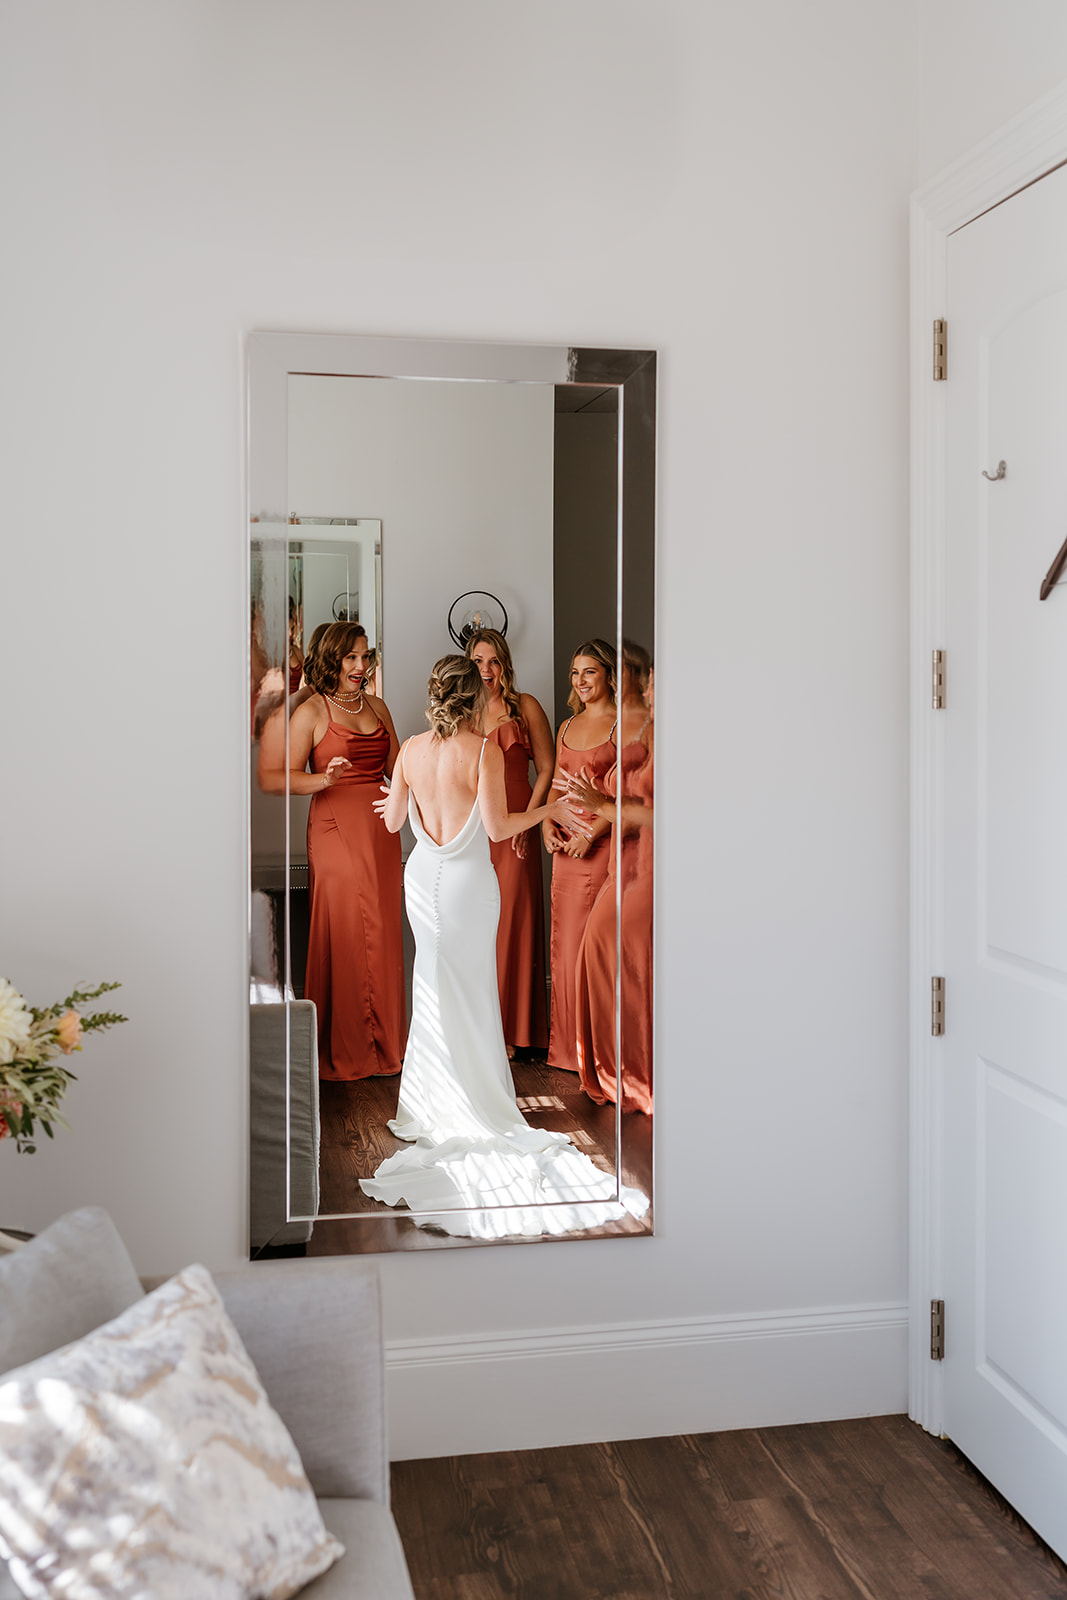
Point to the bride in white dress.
(475, 1167)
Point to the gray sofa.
(284, 1137)
(313, 1331)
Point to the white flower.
(15, 1022)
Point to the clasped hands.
(579, 790)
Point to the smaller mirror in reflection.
(330, 747)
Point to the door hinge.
(937, 1007)
(937, 1330)
(938, 680)
(940, 350)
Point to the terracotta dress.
(575, 886)
(355, 964)
(595, 994)
(520, 939)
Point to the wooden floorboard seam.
(867, 1509)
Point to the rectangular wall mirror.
(410, 501)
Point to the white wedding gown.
(475, 1167)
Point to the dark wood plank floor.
(870, 1509)
(354, 1140)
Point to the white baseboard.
(642, 1380)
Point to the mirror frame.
(271, 358)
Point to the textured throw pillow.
(146, 1461)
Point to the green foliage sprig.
(32, 1081)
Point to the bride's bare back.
(446, 776)
(442, 774)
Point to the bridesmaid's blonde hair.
(497, 643)
(597, 650)
(455, 696)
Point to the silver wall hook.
(1001, 472)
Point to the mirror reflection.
(451, 840)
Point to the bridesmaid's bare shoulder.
(310, 712)
(416, 745)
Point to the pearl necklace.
(343, 705)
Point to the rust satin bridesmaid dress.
(355, 963)
(520, 939)
(575, 886)
(595, 984)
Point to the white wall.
(981, 63)
(465, 502)
(726, 183)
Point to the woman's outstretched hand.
(380, 805)
(581, 789)
(565, 813)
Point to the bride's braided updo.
(455, 696)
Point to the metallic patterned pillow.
(146, 1459)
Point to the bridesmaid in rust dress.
(355, 963)
(585, 742)
(517, 723)
(597, 959)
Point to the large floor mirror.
(450, 1034)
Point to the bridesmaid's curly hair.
(455, 696)
(313, 644)
(322, 664)
(498, 644)
(596, 650)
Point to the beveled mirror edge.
(271, 356)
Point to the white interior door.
(1005, 1089)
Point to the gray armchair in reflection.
(270, 1210)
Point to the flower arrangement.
(32, 1082)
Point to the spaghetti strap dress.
(575, 886)
(520, 940)
(475, 1169)
(355, 961)
(597, 961)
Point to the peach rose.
(69, 1032)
